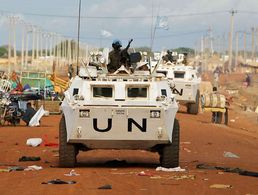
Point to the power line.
(248, 12)
(196, 14)
(182, 34)
(114, 17)
(123, 38)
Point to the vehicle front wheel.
(194, 108)
(67, 152)
(169, 155)
(219, 117)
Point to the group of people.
(118, 57)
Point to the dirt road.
(201, 142)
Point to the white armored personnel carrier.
(118, 111)
(186, 84)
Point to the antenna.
(78, 39)
(155, 27)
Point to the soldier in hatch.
(117, 57)
(168, 57)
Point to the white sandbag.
(33, 168)
(176, 169)
(34, 142)
(214, 100)
(34, 121)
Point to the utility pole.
(33, 45)
(54, 45)
(46, 45)
(245, 47)
(69, 51)
(65, 49)
(232, 12)
(253, 44)
(62, 48)
(236, 51)
(26, 46)
(37, 45)
(210, 40)
(202, 53)
(58, 49)
(41, 43)
(50, 44)
(22, 46)
(14, 40)
(9, 45)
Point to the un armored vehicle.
(118, 111)
(186, 84)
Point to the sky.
(105, 20)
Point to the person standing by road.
(29, 113)
(247, 80)
(70, 71)
(216, 113)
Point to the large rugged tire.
(226, 117)
(67, 152)
(194, 108)
(219, 117)
(169, 155)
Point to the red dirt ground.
(201, 142)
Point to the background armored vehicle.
(118, 112)
(185, 84)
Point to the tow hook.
(79, 132)
(160, 132)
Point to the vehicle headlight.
(171, 84)
(102, 60)
(84, 113)
(155, 113)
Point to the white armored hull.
(127, 127)
(185, 81)
(187, 91)
(119, 112)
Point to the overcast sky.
(188, 20)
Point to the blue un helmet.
(116, 43)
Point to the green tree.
(144, 49)
(187, 50)
(3, 52)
